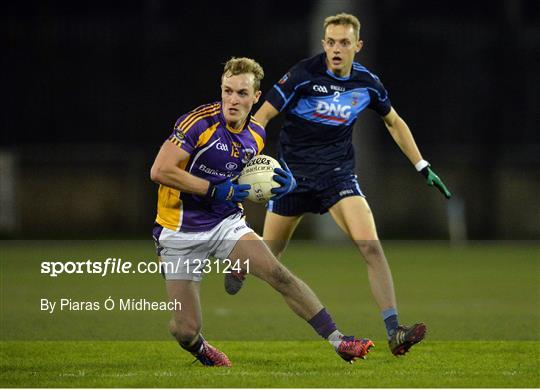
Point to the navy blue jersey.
(320, 111)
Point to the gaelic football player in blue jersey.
(321, 98)
(199, 213)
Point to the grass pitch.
(268, 364)
(480, 303)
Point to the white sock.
(335, 338)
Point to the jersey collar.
(335, 76)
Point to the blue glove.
(228, 192)
(285, 178)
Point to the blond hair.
(236, 66)
(345, 20)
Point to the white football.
(258, 172)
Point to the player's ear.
(257, 96)
(359, 45)
(322, 44)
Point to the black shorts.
(315, 200)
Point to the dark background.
(90, 90)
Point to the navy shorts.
(315, 200)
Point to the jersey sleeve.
(379, 100)
(258, 133)
(186, 132)
(284, 90)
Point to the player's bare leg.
(186, 324)
(265, 266)
(276, 234)
(278, 230)
(298, 296)
(354, 217)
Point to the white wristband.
(421, 165)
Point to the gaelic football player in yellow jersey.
(199, 214)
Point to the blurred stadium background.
(91, 90)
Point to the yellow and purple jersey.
(216, 152)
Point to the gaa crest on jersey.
(284, 79)
(248, 154)
(355, 97)
(231, 166)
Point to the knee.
(370, 249)
(184, 332)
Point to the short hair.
(345, 20)
(236, 66)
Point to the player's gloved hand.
(285, 178)
(228, 192)
(433, 180)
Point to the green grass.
(268, 364)
(481, 304)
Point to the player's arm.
(265, 113)
(167, 170)
(402, 135)
(280, 95)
